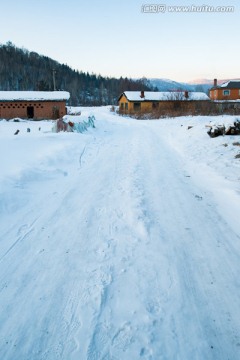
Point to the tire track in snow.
(23, 232)
(100, 335)
(105, 251)
(69, 326)
(188, 257)
(108, 340)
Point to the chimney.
(215, 82)
(142, 94)
(186, 94)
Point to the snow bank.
(211, 162)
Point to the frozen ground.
(120, 243)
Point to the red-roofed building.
(229, 90)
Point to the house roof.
(164, 95)
(34, 95)
(232, 84)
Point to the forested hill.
(21, 69)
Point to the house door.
(30, 112)
(55, 112)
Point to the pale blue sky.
(115, 38)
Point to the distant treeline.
(21, 69)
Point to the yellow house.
(132, 102)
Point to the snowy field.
(121, 243)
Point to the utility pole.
(54, 80)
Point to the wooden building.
(35, 105)
(133, 102)
(227, 91)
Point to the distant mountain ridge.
(201, 81)
(171, 85)
(210, 82)
(202, 85)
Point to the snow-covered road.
(112, 249)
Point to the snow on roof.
(232, 84)
(164, 95)
(34, 95)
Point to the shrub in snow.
(61, 125)
(64, 124)
(83, 126)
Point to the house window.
(126, 106)
(137, 106)
(155, 105)
(226, 92)
(122, 106)
(176, 105)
